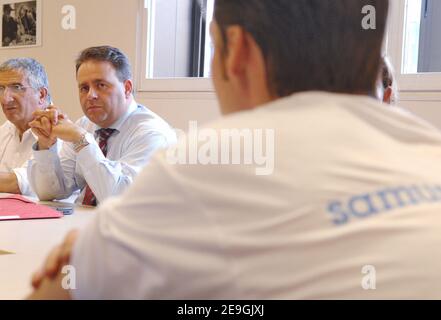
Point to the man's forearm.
(51, 175)
(9, 183)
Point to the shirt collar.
(12, 128)
(14, 131)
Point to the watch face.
(81, 143)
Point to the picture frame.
(21, 23)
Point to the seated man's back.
(356, 194)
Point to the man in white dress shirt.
(351, 210)
(24, 89)
(105, 149)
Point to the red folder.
(16, 207)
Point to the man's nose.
(92, 94)
(6, 95)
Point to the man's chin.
(96, 117)
(12, 116)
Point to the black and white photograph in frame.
(21, 23)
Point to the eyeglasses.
(14, 88)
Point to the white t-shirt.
(353, 203)
(14, 154)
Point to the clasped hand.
(50, 124)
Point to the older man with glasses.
(24, 89)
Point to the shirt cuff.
(90, 155)
(23, 182)
(45, 157)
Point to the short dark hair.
(107, 54)
(311, 44)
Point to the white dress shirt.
(334, 218)
(139, 134)
(14, 154)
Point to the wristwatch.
(80, 144)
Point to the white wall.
(115, 22)
(180, 108)
(424, 104)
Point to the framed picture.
(21, 23)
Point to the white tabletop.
(30, 241)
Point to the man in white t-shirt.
(24, 89)
(349, 208)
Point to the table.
(30, 241)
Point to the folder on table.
(16, 207)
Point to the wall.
(424, 104)
(115, 22)
(180, 108)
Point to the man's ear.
(237, 51)
(387, 96)
(245, 67)
(43, 93)
(128, 88)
